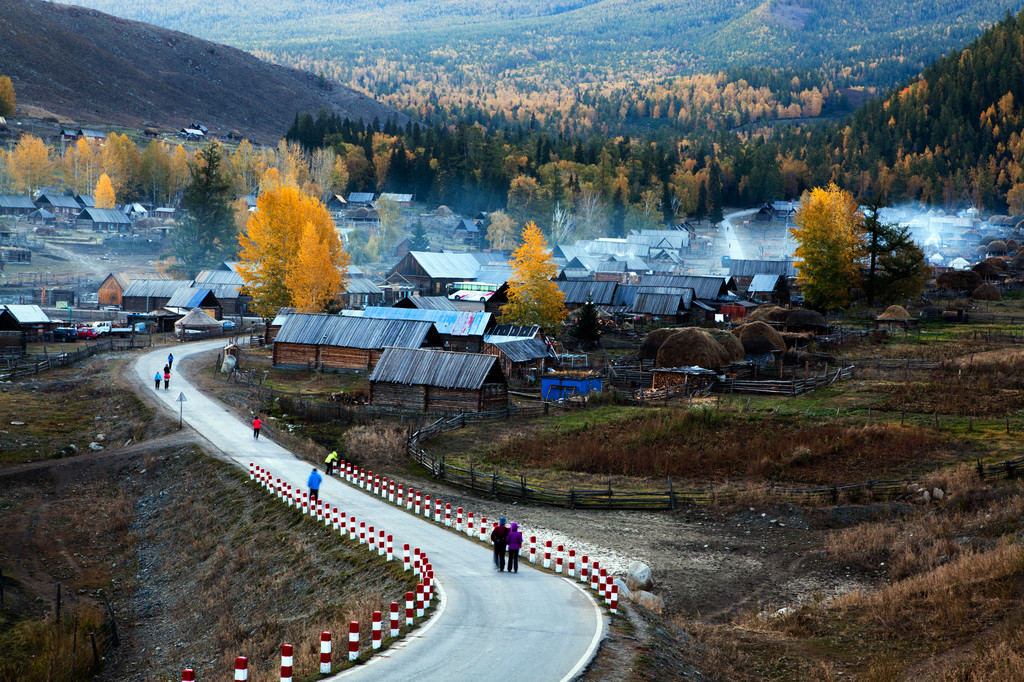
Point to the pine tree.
(587, 329)
(207, 234)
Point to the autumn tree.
(104, 193)
(122, 162)
(7, 100)
(207, 232)
(30, 164)
(390, 215)
(501, 233)
(829, 232)
(533, 297)
(155, 171)
(82, 165)
(277, 231)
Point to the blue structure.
(554, 387)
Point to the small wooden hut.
(437, 380)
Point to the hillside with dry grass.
(89, 66)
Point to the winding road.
(530, 625)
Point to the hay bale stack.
(652, 342)
(779, 315)
(997, 246)
(959, 279)
(1018, 262)
(801, 317)
(986, 292)
(1012, 245)
(730, 344)
(757, 345)
(755, 329)
(762, 313)
(986, 269)
(996, 262)
(895, 312)
(987, 239)
(691, 347)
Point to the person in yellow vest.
(331, 461)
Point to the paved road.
(537, 625)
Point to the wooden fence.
(781, 386)
(28, 366)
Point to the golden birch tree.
(314, 277)
(104, 192)
(501, 233)
(829, 231)
(30, 164)
(7, 99)
(533, 298)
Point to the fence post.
(522, 485)
(671, 494)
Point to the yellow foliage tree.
(7, 100)
(122, 161)
(270, 247)
(104, 193)
(829, 231)
(314, 278)
(533, 298)
(502, 231)
(30, 164)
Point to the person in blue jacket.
(314, 485)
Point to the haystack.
(801, 317)
(986, 292)
(443, 212)
(1012, 245)
(730, 344)
(981, 250)
(652, 342)
(986, 269)
(1018, 262)
(779, 315)
(997, 246)
(755, 329)
(895, 312)
(998, 263)
(762, 313)
(959, 279)
(757, 345)
(691, 347)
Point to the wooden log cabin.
(436, 380)
(335, 342)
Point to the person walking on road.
(256, 424)
(515, 543)
(331, 461)
(170, 361)
(499, 537)
(314, 485)
(157, 379)
(167, 378)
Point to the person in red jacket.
(256, 424)
(498, 537)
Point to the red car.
(87, 333)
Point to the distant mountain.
(91, 66)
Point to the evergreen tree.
(587, 329)
(715, 192)
(207, 234)
(419, 240)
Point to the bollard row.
(554, 557)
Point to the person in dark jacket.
(314, 485)
(498, 537)
(170, 361)
(514, 539)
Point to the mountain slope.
(90, 66)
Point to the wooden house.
(743, 270)
(41, 216)
(147, 295)
(106, 219)
(12, 341)
(435, 380)
(431, 273)
(467, 231)
(187, 299)
(227, 285)
(336, 203)
(32, 321)
(16, 205)
(340, 342)
(459, 330)
(63, 207)
(361, 292)
(404, 200)
(522, 361)
(113, 286)
(769, 289)
(360, 199)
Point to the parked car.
(228, 325)
(87, 333)
(64, 334)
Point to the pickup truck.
(106, 327)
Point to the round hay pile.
(778, 315)
(794, 338)
(730, 344)
(987, 239)
(652, 342)
(959, 279)
(443, 211)
(997, 246)
(895, 312)
(1018, 262)
(762, 313)
(801, 317)
(986, 269)
(754, 329)
(981, 250)
(757, 345)
(998, 263)
(1012, 245)
(691, 347)
(986, 292)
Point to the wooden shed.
(12, 340)
(309, 340)
(115, 283)
(436, 380)
(522, 361)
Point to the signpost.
(181, 403)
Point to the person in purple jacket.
(515, 543)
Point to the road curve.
(530, 625)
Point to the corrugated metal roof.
(661, 304)
(431, 303)
(704, 287)
(511, 332)
(763, 283)
(281, 316)
(220, 277)
(28, 314)
(523, 350)
(602, 293)
(352, 332)
(362, 285)
(625, 294)
(360, 197)
(154, 288)
(453, 322)
(16, 201)
(41, 213)
(440, 368)
(104, 215)
(399, 198)
(740, 267)
(59, 200)
(188, 298)
(447, 265)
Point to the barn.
(312, 340)
(437, 380)
(522, 360)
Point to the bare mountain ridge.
(90, 66)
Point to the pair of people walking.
(507, 540)
(166, 376)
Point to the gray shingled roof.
(154, 288)
(739, 267)
(352, 332)
(523, 350)
(104, 215)
(447, 265)
(16, 201)
(576, 292)
(440, 368)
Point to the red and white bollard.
(595, 570)
(371, 539)
(337, 519)
(391, 493)
(376, 485)
(389, 551)
(406, 559)
(602, 584)
(547, 554)
(469, 525)
(572, 563)
(325, 653)
(352, 527)
(375, 633)
(410, 606)
(483, 528)
(241, 669)
(252, 471)
(585, 569)
(428, 588)
(458, 519)
(609, 582)
(362, 532)
(419, 600)
(416, 509)
(394, 619)
(286, 663)
(427, 511)
(305, 503)
(533, 549)
(448, 515)
(558, 559)
(279, 490)
(189, 675)
(437, 511)
(614, 604)
(288, 495)
(353, 640)
(381, 543)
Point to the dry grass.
(377, 445)
(38, 650)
